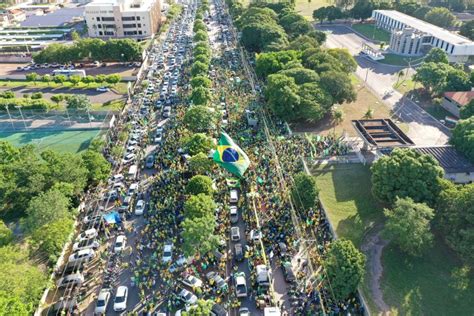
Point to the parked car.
(188, 297)
(238, 252)
(140, 207)
(103, 89)
(255, 234)
(82, 255)
(234, 214)
(167, 252)
(288, 272)
(71, 280)
(88, 234)
(129, 158)
(120, 243)
(192, 281)
(85, 244)
(235, 233)
(234, 196)
(102, 302)
(240, 284)
(150, 161)
(244, 311)
(120, 301)
(217, 279)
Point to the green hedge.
(24, 103)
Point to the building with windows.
(123, 18)
(453, 101)
(421, 36)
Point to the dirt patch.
(373, 247)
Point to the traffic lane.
(343, 37)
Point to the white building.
(123, 18)
(457, 47)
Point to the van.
(132, 172)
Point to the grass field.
(372, 32)
(351, 208)
(64, 141)
(420, 286)
(306, 7)
(405, 86)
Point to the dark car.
(288, 272)
(282, 249)
(238, 252)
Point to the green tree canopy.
(347, 62)
(467, 30)
(304, 191)
(303, 42)
(441, 17)
(436, 55)
(198, 235)
(200, 119)
(200, 309)
(50, 238)
(463, 137)
(345, 267)
(457, 80)
(408, 226)
(329, 13)
(455, 217)
(79, 102)
(6, 235)
(200, 163)
(199, 69)
(432, 76)
(199, 184)
(258, 37)
(468, 110)
(339, 86)
(200, 81)
(201, 96)
(199, 143)
(46, 208)
(362, 9)
(272, 62)
(301, 75)
(200, 205)
(200, 36)
(98, 167)
(406, 173)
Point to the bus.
(70, 72)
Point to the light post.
(22, 117)
(10, 117)
(68, 117)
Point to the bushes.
(25, 103)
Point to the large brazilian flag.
(230, 157)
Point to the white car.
(234, 196)
(188, 297)
(235, 233)
(85, 244)
(81, 255)
(120, 243)
(102, 301)
(167, 253)
(102, 89)
(120, 301)
(234, 214)
(116, 178)
(132, 189)
(71, 280)
(240, 285)
(128, 158)
(140, 207)
(192, 281)
(88, 234)
(255, 234)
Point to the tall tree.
(200, 205)
(406, 173)
(339, 86)
(468, 110)
(198, 235)
(200, 119)
(97, 166)
(199, 184)
(199, 143)
(79, 102)
(200, 164)
(408, 226)
(436, 55)
(467, 30)
(304, 191)
(345, 266)
(201, 96)
(463, 137)
(441, 17)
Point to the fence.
(21, 120)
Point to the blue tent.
(112, 218)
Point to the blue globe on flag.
(230, 155)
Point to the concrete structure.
(123, 18)
(457, 47)
(406, 42)
(456, 167)
(381, 133)
(454, 101)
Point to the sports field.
(64, 141)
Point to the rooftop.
(426, 27)
(451, 160)
(129, 5)
(460, 97)
(382, 133)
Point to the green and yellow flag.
(230, 157)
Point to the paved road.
(423, 129)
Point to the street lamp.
(22, 117)
(10, 117)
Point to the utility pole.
(22, 117)
(10, 117)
